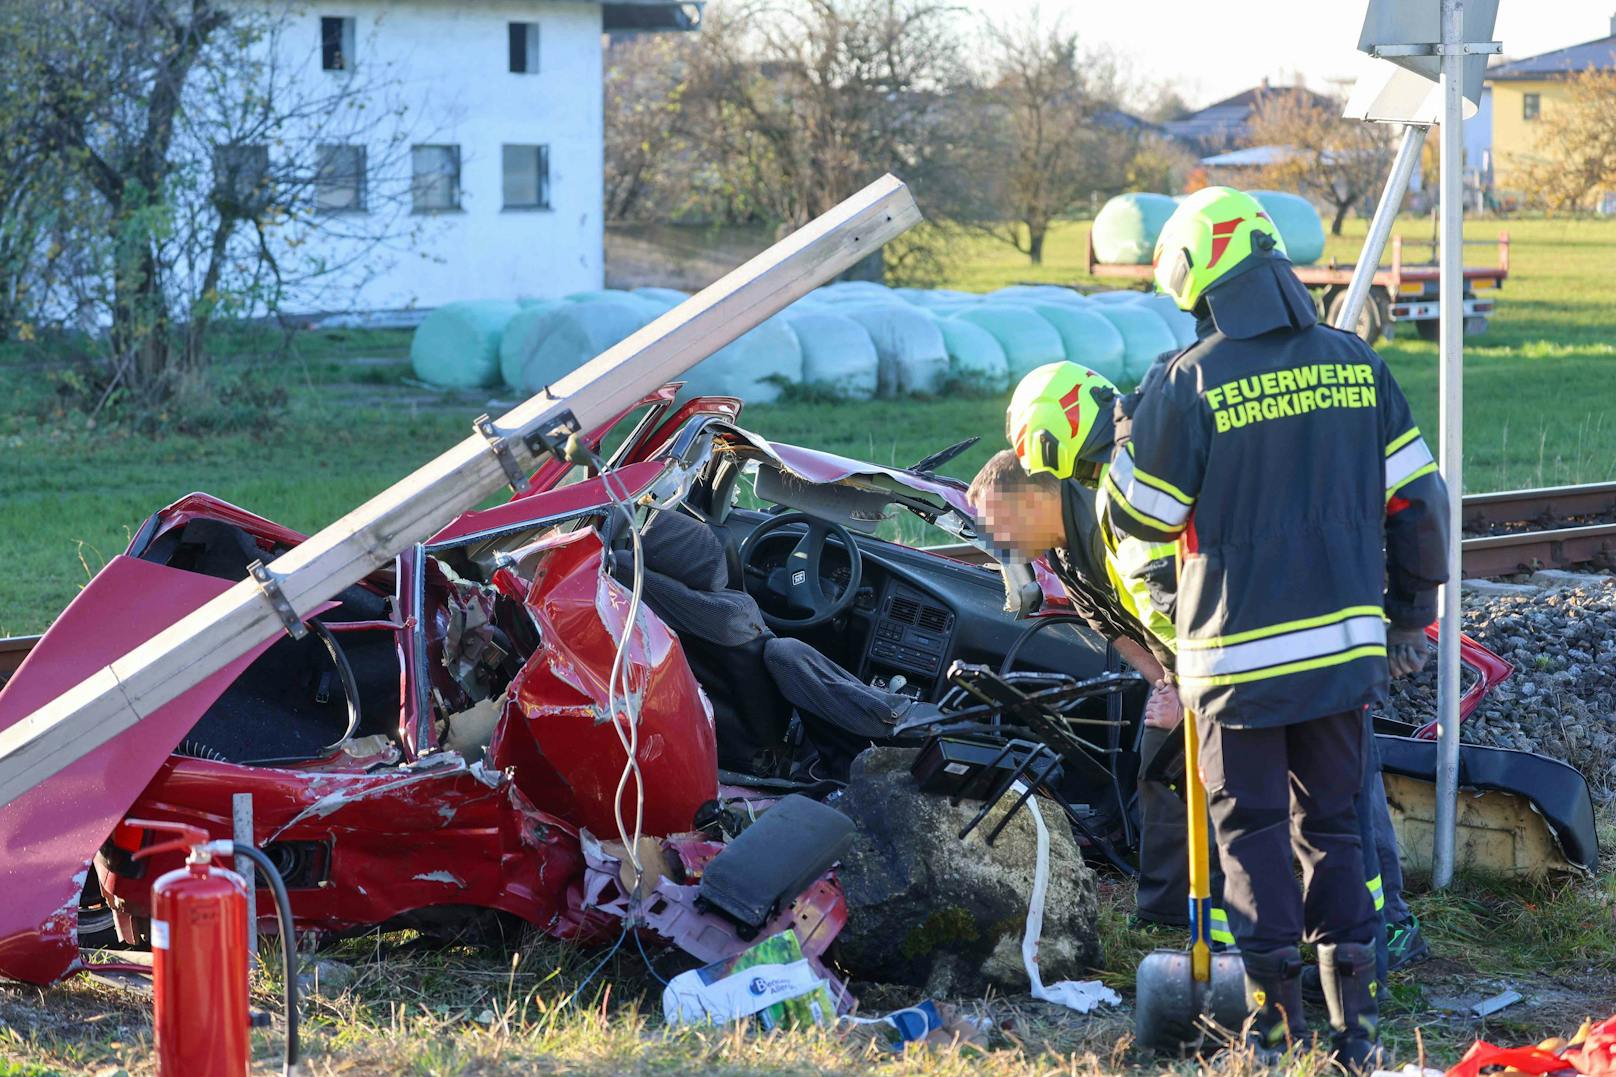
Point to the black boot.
(1274, 995)
(1347, 974)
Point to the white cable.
(619, 678)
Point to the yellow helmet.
(1059, 421)
(1213, 233)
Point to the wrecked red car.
(443, 748)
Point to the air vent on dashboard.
(933, 618)
(906, 610)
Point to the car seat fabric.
(753, 677)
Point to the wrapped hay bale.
(1038, 293)
(1088, 338)
(670, 296)
(976, 361)
(1129, 295)
(857, 291)
(837, 353)
(1126, 227)
(1144, 336)
(1298, 223)
(908, 344)
(456, 346)
(562, 338)
(754, 367)
(521, 338)
(1028, 340)
(931, 297)
(1180, 322)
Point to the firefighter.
(1042, 497)
(1282, 455)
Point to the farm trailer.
(1401, 292)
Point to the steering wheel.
(796, 582)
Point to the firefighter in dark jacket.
(1282, 456)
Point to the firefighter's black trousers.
(1281, 793)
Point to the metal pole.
(241, 830)
(1452, 433)
(1380, 227)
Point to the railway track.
(1553, 527)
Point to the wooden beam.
(110, 700)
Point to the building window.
(241, 177)
(527, 177)
(525, 48)
(339, 182)
(336, 43)
(436, 178)
(1531, 106)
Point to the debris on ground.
(1561, 700)
(1591, 1050)
(945, 915)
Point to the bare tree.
(200, 156)
(1048, 135)
(1575, 152)
(648, 155)
(1338, 161)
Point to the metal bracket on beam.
(514, 475)
(1472, 48)
(271, 588)
(553, 440)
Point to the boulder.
(947, 916)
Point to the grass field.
(1538, 396)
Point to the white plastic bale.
(456, 346)
(564, 337)
(1088, 338)
(838, 356)
(1145, 337)
(671, 296)
(857, 291)
(1126, 228)
(1180, 322)
(1028, 340)
(756, 367)
(1129, 295)
(976, 360)
(522, 337)
(913, 358)
(1038, 293)
(1298, 222)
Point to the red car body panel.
(48, 835)
(556, 731)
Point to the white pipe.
(1451, 297)
(1380, 227)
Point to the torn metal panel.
(557, 732)
(49, 834)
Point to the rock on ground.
(945, 915)
(1561, 700)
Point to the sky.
(1213, 50)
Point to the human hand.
(1407, 650)
(1163, 709)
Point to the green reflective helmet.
(1213, 233)
(1059, 421)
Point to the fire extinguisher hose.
(283, 916)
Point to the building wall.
(445, 64)
(1514, 136)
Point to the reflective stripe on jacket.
(1308, 504)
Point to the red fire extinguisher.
(199, 957)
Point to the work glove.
(1163, 709)
(1406, 651)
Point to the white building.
(501, 106)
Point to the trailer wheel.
(1431, 328)
(1371, 320)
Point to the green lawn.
(70, 496)
(1538, 392)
